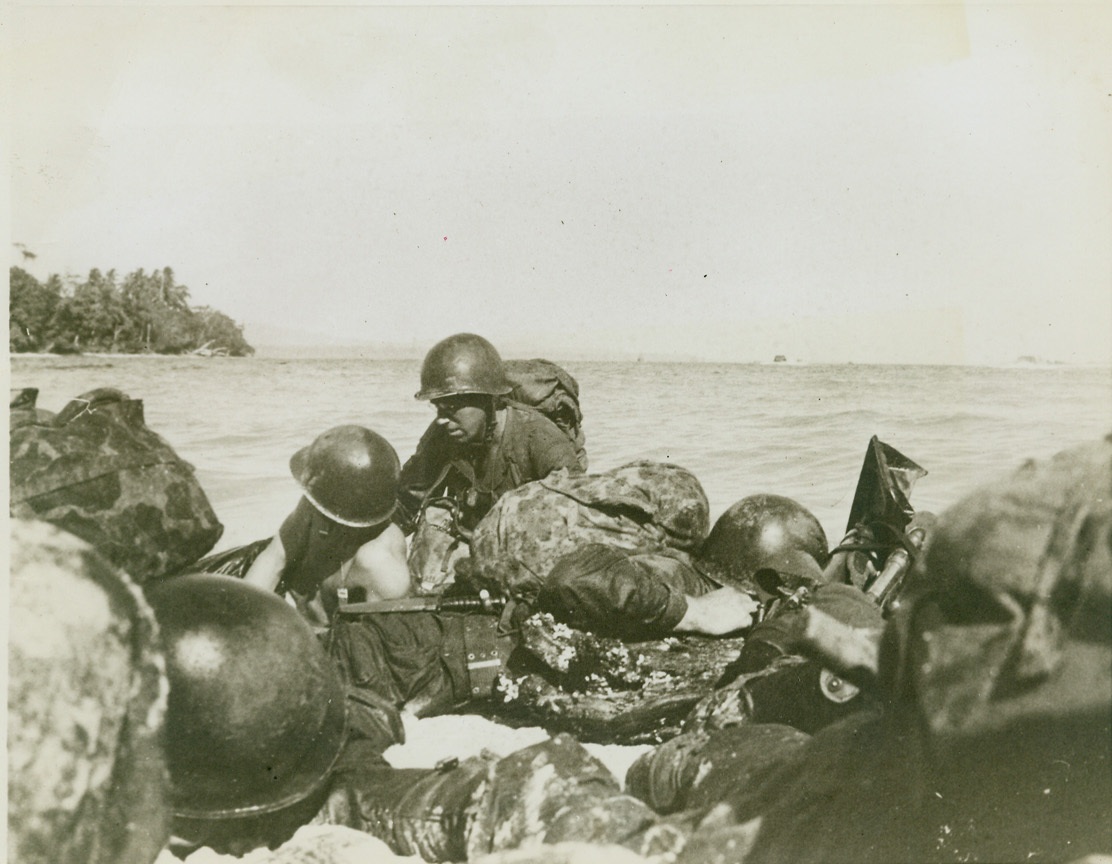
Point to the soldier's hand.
(719, 613)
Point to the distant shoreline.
(312, 354)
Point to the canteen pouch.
(97, 471)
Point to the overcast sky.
(862, 183)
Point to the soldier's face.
(464, 417)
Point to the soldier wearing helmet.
(255, 717)
(339, 540)
(760, 532)
(645, 596)
(479, 446)
(261, 738)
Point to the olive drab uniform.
(443, 493)
(96, 470)
(613, 593)
(429, 662)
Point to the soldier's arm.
(718, 613)
(266, 571)
(550, 449)
(286, 546)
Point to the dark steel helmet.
(350, 474)
(464, 363)
(255, 718)
(764, 531)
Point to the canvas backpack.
(549, 388)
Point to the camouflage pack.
(97, 471)
(86, 699)
(640, 507)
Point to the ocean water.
(795, 430)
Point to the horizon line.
(340, 352)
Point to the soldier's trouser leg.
(414, 811)
(700, 769)
(428, 662)
(548, 793)
(552, 792)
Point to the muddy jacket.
(525, 446)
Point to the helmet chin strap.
(492, 420)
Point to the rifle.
(484, 601)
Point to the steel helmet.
(350, 474)
(464, 363)
(765, 531)
(255, 718)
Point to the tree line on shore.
(142, 313)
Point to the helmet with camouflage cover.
(350, 474)
(463, 363)
(86, 698)
(764, 531)
(255, 719)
